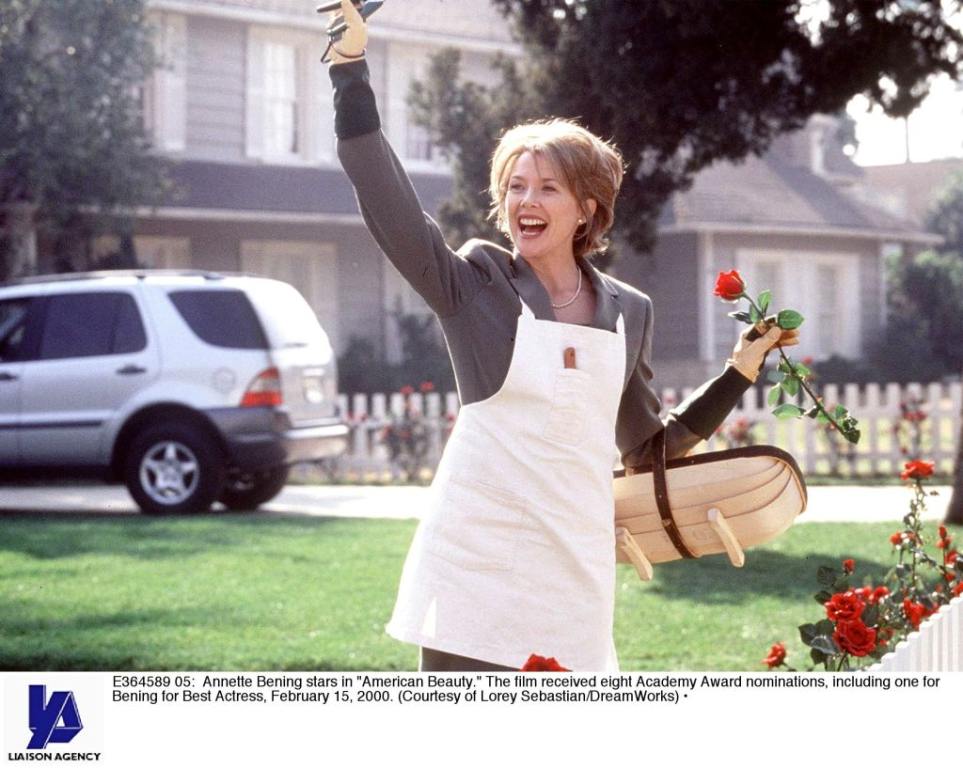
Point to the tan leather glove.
(754, 344)
(352, 43)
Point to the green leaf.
(789, 319)
(787, 411)
(825, 644)
(813, 412)
(822, 596)
(763, 301)
(817, 656)
(825, 627)
(802, 370)
(807, 632)
(741, 316)
(754, 315)
(791, 385)
(784, 366)
(774, 376)
(822, 418)
(840, 412)
(774, 394)
(870, 615)
(826, 575)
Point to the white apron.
(516, 553)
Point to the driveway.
(826, 503)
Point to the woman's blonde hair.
(590, 167)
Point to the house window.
(281, 137)
(827, 314)
(282, 115)
(164, 95)
(812, 283)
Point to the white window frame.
(165, 93)
(799, 290)
(406, 63)
(307, 75)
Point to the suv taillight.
(264, 390)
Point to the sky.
(935, 128)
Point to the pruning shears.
(365, 8)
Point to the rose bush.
(864, 622)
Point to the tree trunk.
(18, 240)
(954, 513)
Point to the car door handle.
(131, 370)
(8, 377)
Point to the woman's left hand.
(749, 354)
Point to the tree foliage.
(945, 217)
(681, 84)
(71, 134)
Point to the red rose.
(729, 286)
(951, 556)
(914, 612)
(855, 638)
(942, 531)
(777, 654)
(896, 539)
(878, 594)
(957, 588)
(849, 565)
(537, 663)
(427, 386)
(407, 389)
(844, 606)
(917, 469)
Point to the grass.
(275, 592)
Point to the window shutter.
(254, 141)
(174, 117)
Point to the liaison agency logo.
(53, 718)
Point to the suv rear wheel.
(174, 469)
(250, 490)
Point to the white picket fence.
(936, 647)
(877, 408)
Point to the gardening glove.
(749, 354)
(354, 39)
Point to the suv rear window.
(90, 324)
(223, 318)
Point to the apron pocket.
(566, 419)
(476, 526)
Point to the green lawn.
(279, 592)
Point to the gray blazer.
(475, 291)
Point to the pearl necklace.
(578, 290)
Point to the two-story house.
(244, 107)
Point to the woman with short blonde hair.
(515, 554)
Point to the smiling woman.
(515, 554)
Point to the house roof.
(770, 193)
(269, 190)
(915, 186)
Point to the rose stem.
(800, 379)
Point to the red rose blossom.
(777, 654)
(849, 565)
(427, 386)
(878, 594)
(957, 588)
(537, 663)
(844, 606)
(917, 469)
(914, 612)
(407, 389)
(855, 638)
(729, 286)
(896, 539)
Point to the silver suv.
(188, 387)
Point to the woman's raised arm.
(387, 200)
